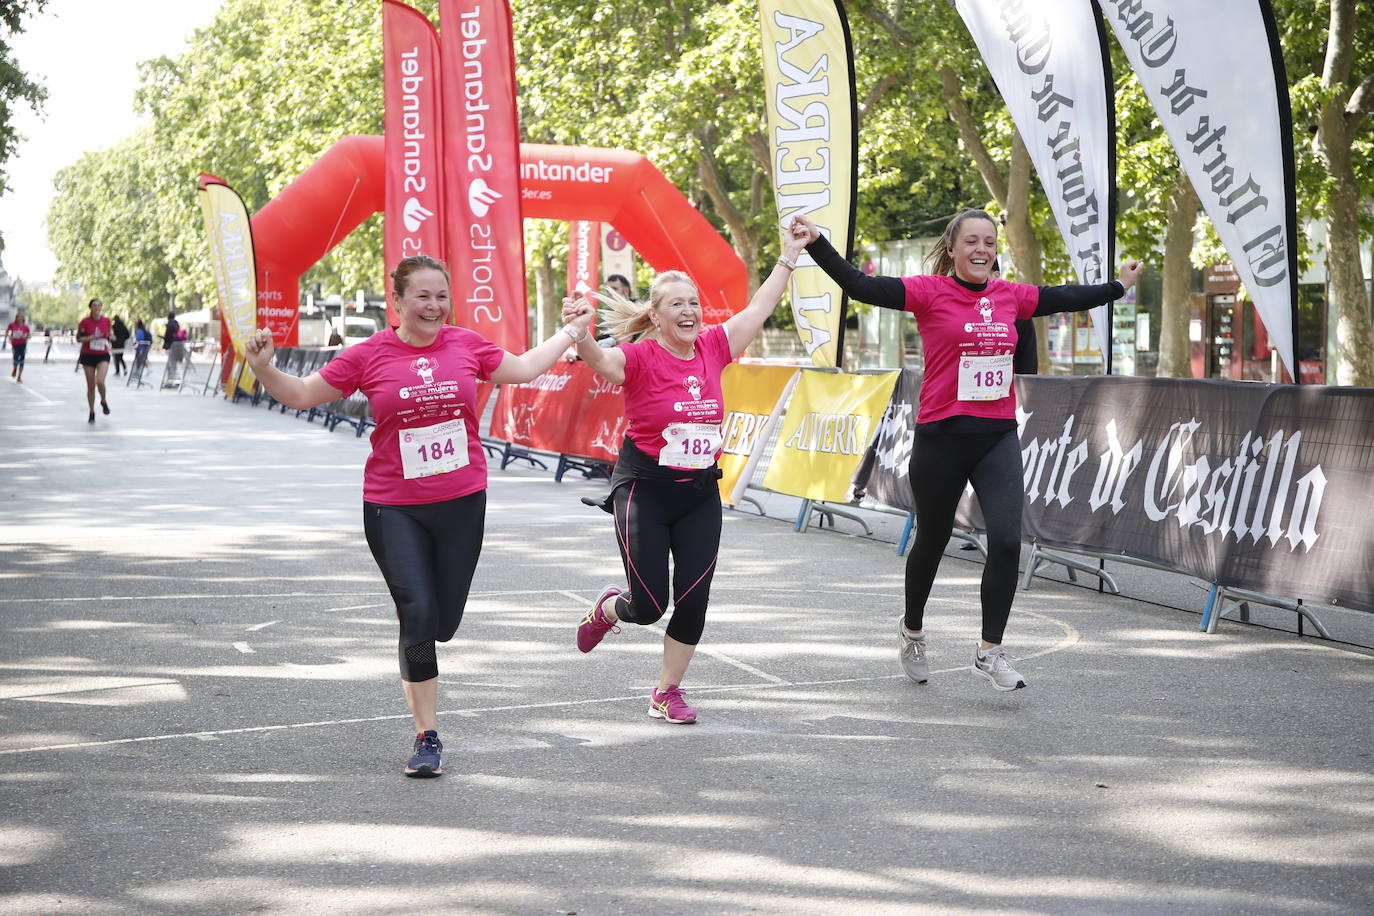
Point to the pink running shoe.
(668, 704)
(595, 625)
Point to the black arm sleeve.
(887, 292)
(1026, 359)
(1077, 297)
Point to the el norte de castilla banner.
(1049, 60)
(1214, 73)
(808, 71)
(1264, 487)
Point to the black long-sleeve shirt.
(890, 293)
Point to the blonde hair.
(940, 261)
(625, 320)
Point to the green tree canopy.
(15, 85)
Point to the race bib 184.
(437, 449)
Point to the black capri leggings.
(427, 554)
(941, 465)
(653, 519)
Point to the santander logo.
(414, 214)
(480, 197)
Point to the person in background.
(119, 335)
(618, 285)
(93, 333)
(143, 342)
(17, 333)
(174, 342)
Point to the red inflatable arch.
(344, 187)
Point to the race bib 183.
(984, 378)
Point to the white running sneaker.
(994, 666)
(912, 652)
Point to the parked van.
(355, 329)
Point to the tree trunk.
(744, 238)
(547, 308)
(1335, 136)
(1175, 350)
(1027, 254)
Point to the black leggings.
(652, 519)
(941, 465)
(427, 554)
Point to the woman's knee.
(1003, 548)
(634, 609)
(419, 662)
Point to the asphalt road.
(199, 712)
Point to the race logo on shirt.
(696, 407)
(984, 309)
(430, 394)
(424, 367)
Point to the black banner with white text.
(1265, 487)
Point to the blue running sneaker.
(425, 762)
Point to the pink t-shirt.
(662, 390)
(100, 328)
(416, 393)
(19, 333)
(956, 323)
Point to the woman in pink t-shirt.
(18, 334)
(966, 422)
(664, 492)
(424, 484)
(93, 333)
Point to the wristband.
(783, 262)
(575, 337)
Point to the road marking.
(1071, 637)
(354, 607)
(211, 597)
(30, 390)
(190, 597)
(703, 650)
(261, 626)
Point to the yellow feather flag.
(235, 269)
(808, 68)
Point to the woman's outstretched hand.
(259, 349)
(800, 224)
(1130, 272)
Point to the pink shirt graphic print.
(426, 446)
(969, 337)
(675, 403)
